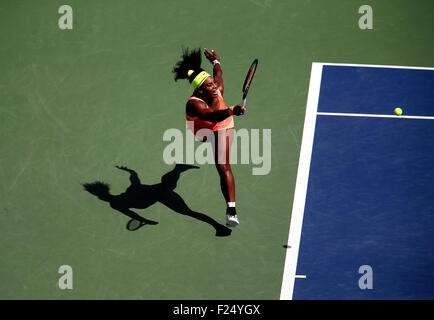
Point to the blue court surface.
(367, 199)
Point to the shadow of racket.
(134, 224)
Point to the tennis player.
(206, 109)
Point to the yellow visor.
(199, 79)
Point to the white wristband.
(215, 62)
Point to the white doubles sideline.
(293, 244)
(301, 184)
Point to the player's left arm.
(217, 70)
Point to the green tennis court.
(75, 103)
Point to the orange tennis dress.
(195, 123)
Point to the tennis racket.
(248, 81)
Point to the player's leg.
(223, 142)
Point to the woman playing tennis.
(207, 114)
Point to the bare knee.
(224, 169)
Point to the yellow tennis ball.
(398, 111)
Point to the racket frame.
(246, 86)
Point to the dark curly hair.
(191, 60)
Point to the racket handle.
(243, 102)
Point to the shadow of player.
(141, 196)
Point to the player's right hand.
(238, 110)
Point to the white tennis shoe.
(232, 220)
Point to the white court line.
(373, 66)
(372, 115)
(289, 272)
(290, 267)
